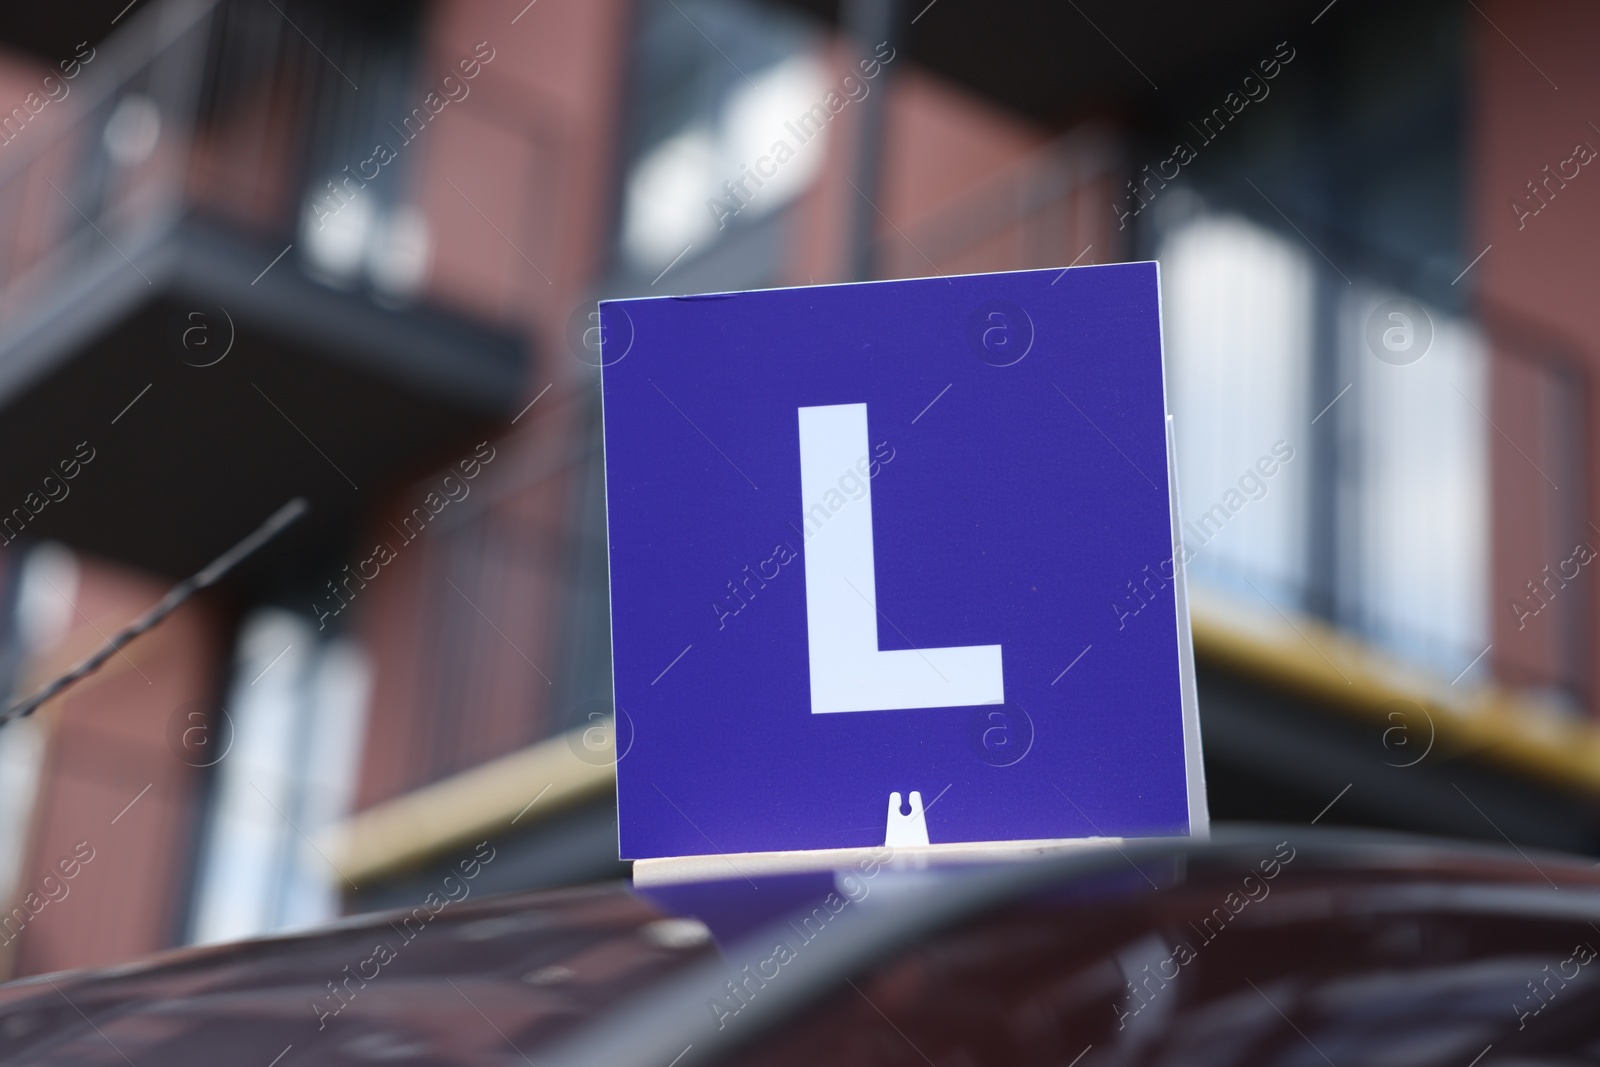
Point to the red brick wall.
(1535, 290)
(516, 182)
(107, 748)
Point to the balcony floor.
(323, 394)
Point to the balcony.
(164, 310)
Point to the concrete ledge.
(489, 799)
(1313, 660)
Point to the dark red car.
(1287, 946)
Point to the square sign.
(894, 538)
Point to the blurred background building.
(253, 249)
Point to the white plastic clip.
(906, 831)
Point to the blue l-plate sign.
(862, 543)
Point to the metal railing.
(217, 108)
(103, 165)
(1048, 210)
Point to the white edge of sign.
(611, 609)
(1188, 688)
(673, 870)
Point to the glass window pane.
(1422, 514)
(1236, 303)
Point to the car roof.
(380, 986)
(673, 1020)
(611, 974)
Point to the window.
(1236, 305)
(1408, 475)
(719, 85)
(289, 741)
(1420, 437)
(46, 587)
